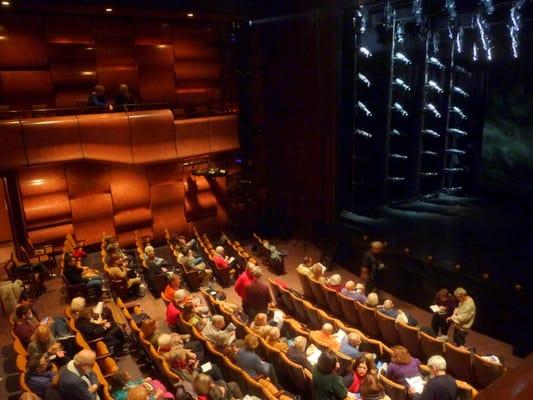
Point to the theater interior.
(277, 129)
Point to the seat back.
(430, 346)
(387, 329)
(392, 389)
(409, 338)
(275, 292)
(286, 300)
(349, 310)
(306, 286)
(300, 307)
(334, 306)
(318, 295)
(485, 372)
(465, 391)
(458, 362)
(314, 318)
(367, 316)
(298, 380)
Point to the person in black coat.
(77, 381)
(93, 329)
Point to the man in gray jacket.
(463, 316)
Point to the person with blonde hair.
(296, 352)
(402, 365)
(43, 342)
(325, 336)
(218, 333)
(305, 266)
(372, 300)
(76, 305)
(350, 345)
(251, 362)
(317, 273)
(260, 325)
(38, 374)
(274, 339)
(138, 393)
(334, 282)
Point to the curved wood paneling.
(12, 152)
(129, 188)
(153, 34)
(23, 44)
(21, 89)
(87, 178)
(192, 137)
(42, 180)
(69, 30)
(224, 133)
(156, 73)
(52, 139)
(91, 216)
(106, 137)
(48, 209)
(152, 136)
(168, 208)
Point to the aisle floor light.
(433, 109)
(364, 133)
(436, 62)
(364, 79)
(431, 132)
(400, 83)
(457, 132)
(402, 58)
(364, 108)
(364, 51)
(397, 107)
(460, 91)
(433, 85)
(459, 112)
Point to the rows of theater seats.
(55, 60)
(462, 364)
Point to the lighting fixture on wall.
(436, 62)
(400, 83)
(398, 156)
(395, 132)
(455, 151)
(6, 3)
(398, 108)
(459, 40)
(364, 133)
(434, 86)
(515, 25)
(433, 109)
(190, 15)
(364, 108)
(460, 91)
(363, 79)
(402, 58)
(364, 51)
(431, 132)
(459, 112)
(400, 33)
(108, 10)
(457, 132)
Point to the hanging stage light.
(433, 85)
(455, 151)
(363, 133)
(484, 30)
(460, 69)
(400, 83)
(460, 91)
(400, 33)
(430, 153)
(435, 61)
(390, 13)
(433, 109)
(396, 178)
(450, 7)
(430, 132)
(435, 39)
(364, 108)
(363, 79)
(457, 132)
(398, 156)
(514, 26)
(395, 132)
(417, 12)
(475, 57)
(398, 108)
(459, 112)
(402, 58)
(359, 21)
(364, 51)
(459, 40)
(488, 6)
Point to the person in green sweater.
(327, 385)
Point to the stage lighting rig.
(364, 51)
(396, 178)
(417, 12)
(459, 112)
(363, 133)
(459, 36)
(400, 83)
(364, 79)
(435, 61)
(398, 156)
(400, 33)
(398, 108)
(395, 132)
(450, 7)
(364, 108)
(460, 69)
(433, 109)
(458, 90)
(402, 58)
(455, 151)
(434, 86)
(430, 132)
(514, 26)
(457, 132)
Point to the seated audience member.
(274, 339)
(38, 374)
(109, 331)
(257, 296)
(440, 385)
(361, 368)
(354, 292)
(187, 366)
(76, 305)
(150, 331)
(242, 282)
(174, 308)
(327, 384)
(371, 388)
(305, 266)
(218, 333)
(334, 282)
(275, 256)
(447, 304)
(123, 96)
(43, 343)
(77, 381)
(112, 246)
(122, 382)
(183, 297)
(372, 300)
(190, 316)
(174, 284)
(220, 258)
(402, 365)
(97, 98)
(463, 316)
(167, 342)
(325, 336)
(76, 274)
(350, 345)
(140, 393)
(58, 325)
(190, 261)
(260, 325)
(389, 310)
(25, 324)
(118, 270)
(207, 389)
(182, 245)
(296, 352)
(317, 271)
(158, 264)
(251, 362)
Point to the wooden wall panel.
(129, 188)
(23, 43)
(46, 210)
(168, 208)
(21, 89)
(192, 137)
(106, 137)
(92, 215)
(5, 224)
(12, 152)
(153, 34)
(224, 133)
(52, 139)
(156, 73)
(164, 173)
(152, 136)
(63, 29)
(85, 179)
(38, 181)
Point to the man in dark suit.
(77, 381)
(372, 266)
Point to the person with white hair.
(297, 352)
(218, 333)
(389, 310)
(372, 266)
(335, 282)
(354, 291)
(463, 316)
(326, 337)
(77, 381)
(350, 345)
(440, 386)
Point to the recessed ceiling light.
(190, 15)
(6, 3)
(109, 9)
